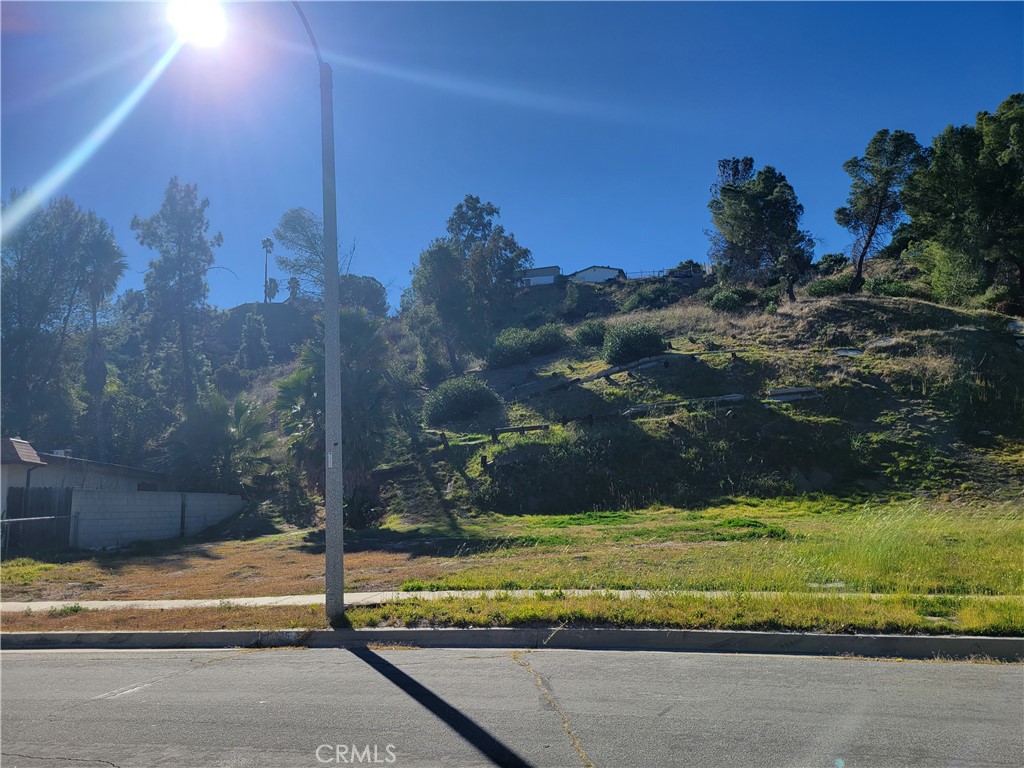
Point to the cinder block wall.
(115, 519)
(204, 509)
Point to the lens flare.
(199, 22)
(16, 213)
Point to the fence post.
(73, 530)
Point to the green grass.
(804, 545)
(67, 610)
(791, 612)
(24, 570)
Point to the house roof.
(72, 462)
(540, 272)
(597, 266)
(14, 450)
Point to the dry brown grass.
(269, 566)
(831, 613)
(176, 619)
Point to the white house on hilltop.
(597, 274)
(538, 276)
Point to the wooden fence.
(37, 519)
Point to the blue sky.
(595, 127)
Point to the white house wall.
(86, 478)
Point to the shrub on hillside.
(517, 345)
(729, 298)
(1000, 298)
(726, 300)
(887, 285)
(830, 286)
(458, 399)
(831, 263)
(578, 470)
(653, 296)
(632, 341)
(591, 333)
(538, 317)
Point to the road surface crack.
(566, 725)
(57, 757)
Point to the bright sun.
(200, 22)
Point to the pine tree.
(254, 351)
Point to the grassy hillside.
(909, 396)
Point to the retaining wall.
(115, 519)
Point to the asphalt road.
(456, 708)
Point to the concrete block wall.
(115, 519)
(204, 509)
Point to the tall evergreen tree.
(875, 206)
(758, 228)
(103, 265)
(463, 282)
(254, 351)
(176, 281)
(969, 198)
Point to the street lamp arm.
(309, 31)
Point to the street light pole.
(333, 480)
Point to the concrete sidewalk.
(351, 599)
(379, 598)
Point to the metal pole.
(334, 570)
(333, 484)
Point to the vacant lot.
(908, 547)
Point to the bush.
(591, 333)
(831, 263)
(229, 380)
(575, 471)
(632, 341)
(830, 286)
(653, 296)
(517, 345)
(729, 298)
(458, 399)
(887, 285)
(1000, 298)
(726, 300)
(537, 317)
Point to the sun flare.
(199, 22)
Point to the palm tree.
(272, 288)
(220, 447)
(366, 417)
(268, 246)
(103, 264)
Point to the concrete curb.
(808, 644)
